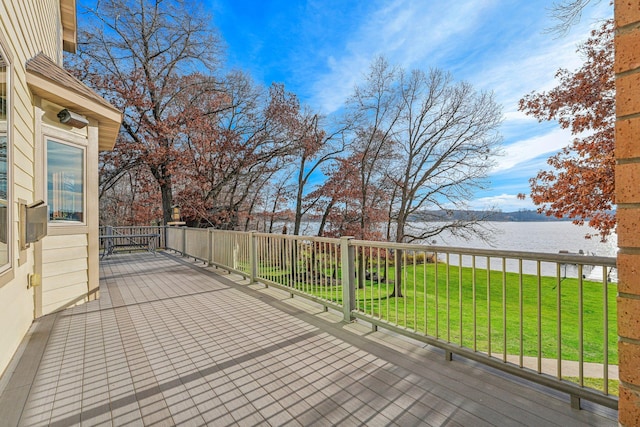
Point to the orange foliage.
(580, 184)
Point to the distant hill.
(518, 216)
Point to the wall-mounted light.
(175, 213)
(72, 119)
(175, 216)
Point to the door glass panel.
(65, 182)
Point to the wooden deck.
(171, 342)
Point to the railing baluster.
(386, 279)
(415, 294)
(489, 306)
(605, 315)
(473, 302)
(580, 327)
(437, 291)
(539, 312)
(559, 320)
(397, 265)
(521, 312)
(290, 263)
(448, 279)
(460, 296)
(425, 293)
(404, 286)
(336, 264)
(504, 309)
(379, 283)
(371, 281)
(360, 272)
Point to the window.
(4, 178)
(65, 182)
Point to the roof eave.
(109, 119)
(69, 25)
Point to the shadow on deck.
(171, 342)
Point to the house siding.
(63, 260)
(64, 271)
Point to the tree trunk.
(397, 286)
(167, 199)
(301, 182)
(325, 217)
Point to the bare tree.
(428, 142)
(374, 111)
(566, 13)
(136, 54)
(276, 198)
(310, 146)
(447, 137)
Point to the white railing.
(550, 318)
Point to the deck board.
(172, 342)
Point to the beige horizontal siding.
(28, 27)
(56, 256)
(64, 296)
(50, 269)
(64, 270)
(52, 243)
(16, 314)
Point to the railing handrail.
(566, 258)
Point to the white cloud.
(516, 117)
(529, 149)
(409, 33)
(465, 38)
(504, 202)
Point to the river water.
(546, 237)
(549, 237)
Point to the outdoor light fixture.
(175, 216)
(175, 213)
(72, 119)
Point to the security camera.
(72, 119)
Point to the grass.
(486, 311)
(597, 383)
(483, 312)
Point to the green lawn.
(449, 303)
(598, 384)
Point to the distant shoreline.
(488, 216)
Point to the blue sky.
(321, 48)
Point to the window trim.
(68, 140)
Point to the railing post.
(108, 242)
(209, 247)
(253, 257)
(164, 233)
(348, 277)
(184, 241)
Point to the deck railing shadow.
(550, 318)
